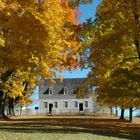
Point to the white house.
(60, 98)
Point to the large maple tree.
(114, 45)
(36, 40)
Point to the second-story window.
(46, 91)
(51, 90)
(65, 90)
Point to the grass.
(68, 128)
(51, 136)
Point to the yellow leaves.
(38, 39)
(107, 74)
(25, 100)
(39, 31)
(34, 60)
(70, 14)
(13, 88)
(62, 68)
(82, 91)
(44, 65)
(113, 52)
(14, 6)
(33, 81)
(70, 17)
(1, 5)
(2, 41)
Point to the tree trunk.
(122, 114)
(3, 79)
(1, 109)
(20, 110)
(130, 114)
(2, 115)
(11, 106)
(111, 110)
(6, 75)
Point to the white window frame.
(86, 104)
(76, 104)
(65, 104)
(56, 104)
(46, 104)
(65, 91)
(50, 90)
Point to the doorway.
(50, 108)
(80, 106)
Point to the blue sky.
(87, 11)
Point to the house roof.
(70, 83)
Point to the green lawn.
(48, 128)
(50, 135)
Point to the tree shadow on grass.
(102, 127)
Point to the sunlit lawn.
(49, 128)
(51, 136)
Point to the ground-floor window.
(56, 104)
(65, 104)
(46, 104)
(86, 103)
(76, 104)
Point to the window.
(46, 105)
(86, 103)
(61, 91)
(51, 90)
(65, 90)
(76, 104)
(66, 104)
(56, 104)
(46, 92)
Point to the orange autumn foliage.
(36, 38)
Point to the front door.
(80, 106)
(50, 108)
